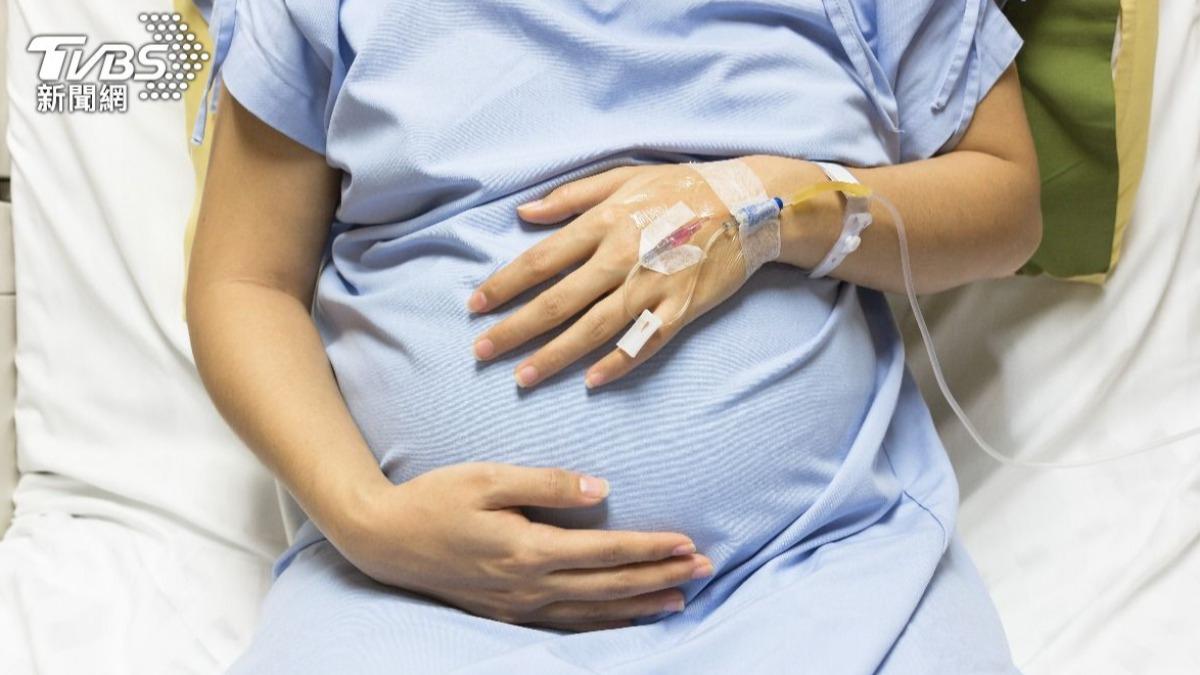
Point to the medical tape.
(659, 249)
(740, 189)
(662, 248)
(640, 333)
(663, 243)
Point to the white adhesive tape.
(639, 333)
(738, 187)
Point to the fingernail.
(674, 605)
(527, 376)
(535, 204)
(684, 549)
(478, 302)
(702, 570)
(484, 349)
(594, 380)
(593, 487)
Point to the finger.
(572, 199)
(538, 263)
(596, 327)
(581, 627)
(589, 613)
(550, 308)
(509, 485)
(627, 581)
(563, 549)
(617, 364)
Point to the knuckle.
(596, 327)
(555, 481)
(537, 260)
(593, 611)
(533, 559)
(689, 564)
(511, 565)
(615, 263)
(526, 559)
(680, 572)
(611, 554)
(608, 214)
(553, 305)
(620, 583)
(552, 360)
(524, 603)
(486, 477)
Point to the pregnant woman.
(411, 272)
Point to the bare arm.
(267, 208)
(972, 213)
(453, 533)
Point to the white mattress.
(142, 543)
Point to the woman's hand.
(603, 241)
(457, 534)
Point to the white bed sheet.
(1094, 571)
(144, 530)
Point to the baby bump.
(728, 434)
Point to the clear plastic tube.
(731, 229)
(726, 230)
(936, 366)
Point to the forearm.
(972, 213)
(262, 361)
(264, 365)
(250, 283)
(968, 216)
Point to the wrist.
(807, 231)
(345, 506)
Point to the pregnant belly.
(728, 434)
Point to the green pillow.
(1072, 81)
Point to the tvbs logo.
(63, 60)
(75, 78)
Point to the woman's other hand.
(457, 534)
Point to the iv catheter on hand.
(746, 218)
(756, 214)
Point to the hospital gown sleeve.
(939, 58)
(278, 62)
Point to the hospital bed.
(144, 531)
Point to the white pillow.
(111, 415)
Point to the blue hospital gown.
(781, 431)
